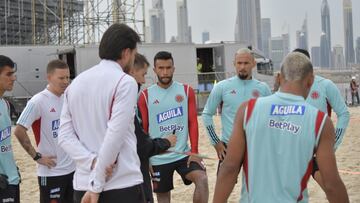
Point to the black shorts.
(163, 174)
(134, 194)
(57, 189)
(11, 194)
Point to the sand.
(348, 159)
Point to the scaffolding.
(65, 22)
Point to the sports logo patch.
(156, 101)
(52, 110)
(315, 95)
(5, 133)
(179, 98)
(169, 114)
(284, 110)
(256, 93)
(55, 124)
(171, 128)
(233, 92)
(283, 125)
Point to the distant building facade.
(338, 56)
(325, 37)
(302, 39)
(358, 50)
(325, 51)
(157, 22)
(205, 36)
(348, 32)
(266, 35)
(315, 56)
(248, 23)
(279, 48)
(183, 28)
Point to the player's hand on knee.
(171, 139)
(220, 150)
(90, 197)
(196, 159)
(48, 161)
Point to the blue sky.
(218, 17)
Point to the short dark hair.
(303, 51)
(163, 55)
(5, 61)
(140, 61)
(117, 38)
(56, 64)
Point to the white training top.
(42, 113)
(97, 120)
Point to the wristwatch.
(37, 156)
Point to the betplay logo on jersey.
(169, 114)
(285, 110)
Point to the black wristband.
(37, 156)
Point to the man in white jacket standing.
(97, 123)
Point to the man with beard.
(230, 93)
(42, 113)
(147, 147)
(169, 106)
(97, 123)
(274, 139)
(9, 176)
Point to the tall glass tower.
(348, 32)
(325, 28)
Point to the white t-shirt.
(42, 113)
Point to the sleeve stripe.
(339, 132)
(212, 134)
(215, 137)
(25, 114)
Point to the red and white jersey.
(42, 113)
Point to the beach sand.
(348, 159)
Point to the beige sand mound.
(348, 159)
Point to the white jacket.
(97, 121)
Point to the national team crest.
(315, 95)
(179, 98)
(256, 93)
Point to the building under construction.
(65, 22)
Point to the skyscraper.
(325, 51)
(205, 36)
(348, 32)
(157, 22)
(279, 48)
(302, 36)
(315, 56)
(184, 30)
(266, 35)
(338, 56)
(326, 31)
(358, 50)
(248, 23)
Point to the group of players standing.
(87, 150)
